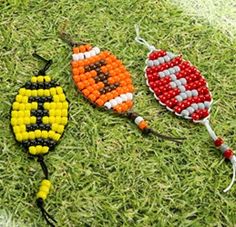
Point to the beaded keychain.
(39, 115)
(180, 87)
(105, 82)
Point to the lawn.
(104, 171)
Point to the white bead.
(92, 53)
(108, 105)
(75, 57)
(138, 120)
(150, 63)
(113, 102)
(124, 97)
(97, 50)
(183, 81)
(81, 56)
(156, 62)
(173, 84)
(129, 96)
(185, 113)
(87, 55)
(118, 100)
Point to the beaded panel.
(178, 85)
(39, 114)
(102, 78)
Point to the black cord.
(43, 165)
(47, 65)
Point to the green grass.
(104, 172)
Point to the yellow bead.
(24, 99)
(22, 128)
(64, 120)
(34, 105)
(65, 105)
(44, 134)
(32, 150)
(37, 133)
(52, 113)
(51, 134)
(46, 92)
(22, 91)
(56, 98)
(45, 149)
(46, 106)
(19, 137)
(64, 113)
(31, 135)
(21, 113)
(53, 105)
(45, 119)
(51, 119)
(62, 97)
(16, 129)
(40, 79)
(58, 113)
(46, 183)
(34, 93)
(14, 113)
(27, 112)
(59, 105)
(22, 106)
(47, 78)
(27, 120)
(53, 91)
(54, 127)
(28, 106)
(19, 98)
(20, 121)
(59, 90)
(32, 120)
(33, 79)
(41, 195)
(39, 149)
(44, 188)
(57, 136)
(14, 121)
(60, 128)
(28, 93)
(40, 92)
(25, 136)
(15, 105)
(58, 119)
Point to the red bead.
(228, 153)
(195, 116)
(218, 142)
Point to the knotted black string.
(49, 219)
(42, 71)
(43, 166)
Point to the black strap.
(47, 65)
(43, 165)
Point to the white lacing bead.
(97, 50)
(92, 53)
(118, 100)
(108, 105)
(138, 120)
(113, 102)
(75, 57)
(87, 54)
(81, 56)
(129, 96)
(123, 97)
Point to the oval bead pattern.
(39, 114)
(102, 78)
(178, 85)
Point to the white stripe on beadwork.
(118, 100)
(80, 56)
(186, 94)
(195, 106)
(169, 71)
(168, 57)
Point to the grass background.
(104, 172)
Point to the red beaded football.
(178, 85)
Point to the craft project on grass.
(39, 115)
(105, 82)
(182, 89)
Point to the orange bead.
(82, 48)
(81, 85)
(74, 64)
(142, 125)
(125, 107)
(91, 81)
(86, 92)
(81, 70)
(114, 94)
(75, 71)
(118, 108)
(90, 89)
(100, 102)
(129, 103)
(92, 97)
(109, 96)
(88, 47)
(75, 50)
(100, 85)
(76, 79)
(96, 93)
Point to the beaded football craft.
(105, 82)
(181, 88)
(39, 115)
